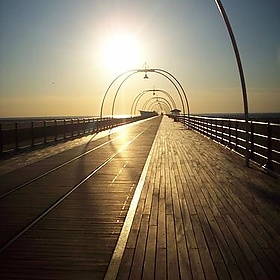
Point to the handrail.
(264, 141)
(15, 136)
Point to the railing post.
(211, 128)
(216, 127)
(269, 148)
(72, 128)
(45, 131)
(229, 133)
(252, 140)
(16, 136)
(236, 135)
(55, 128)
(1, 139)
(222, 131)
(85, 126)
(32, 134)
(64, 129)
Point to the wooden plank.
(183, 255)
(124, 270)
(139, 255)
(172, 257)
(161, 260)
(150, 254)
(211, 223)
(161, 233)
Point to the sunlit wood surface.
(76, 238)
(202, 214)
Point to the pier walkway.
(196, 213)
(202, 214)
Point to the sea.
(5, 120)
(262, 117)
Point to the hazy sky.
(58, 57)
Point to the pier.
(147, 200)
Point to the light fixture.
(145, 67)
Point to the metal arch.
(106, 93)
(157, 102)
(181, 87)
(138, 97)
(151, 70)
(116, 94)
(162, 106)
(181, 98)
(146, 104)
(159, 107)
(134, 71)
(241, 73)
(157, 98)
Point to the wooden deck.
(202, 214)
(199, 213)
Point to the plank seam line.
(115, 262)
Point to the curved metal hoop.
(141, 94)
(241, 74)
(160, 105)
(132, 72)
(157, 98)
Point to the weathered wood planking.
(202, 214)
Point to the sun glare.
(121, 52)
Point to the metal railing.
(264, 141)
(15, 136)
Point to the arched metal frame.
(158, 103)
(241, 74)
(240, 69)
(162, 72)
(141, 94)
(152, 107)
(157, 70)
(157, 98)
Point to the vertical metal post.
(1, 139)
(241, 74)
(236, 135)
(32, 134)
(216, 122)
(64, 129)
(222, 131)
(45, 131)
(55, 129)
(229, 133)
(16, 137)
(252, 140)
(72, 128)
(84, 125)
(269, 148)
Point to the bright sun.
(121, 52)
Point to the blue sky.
(54, 55)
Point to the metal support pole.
(241, 74)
